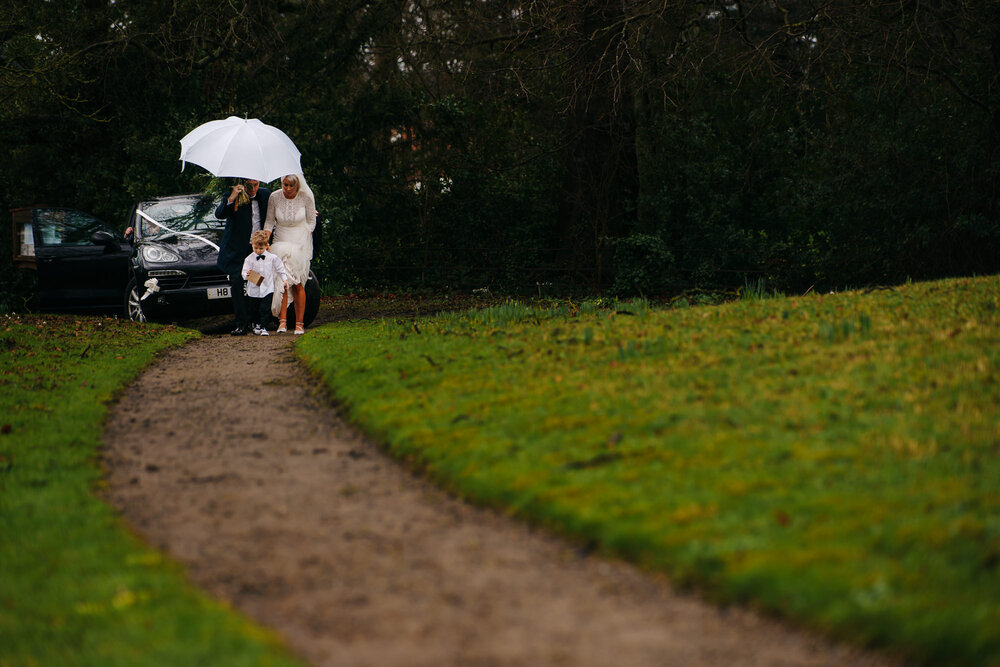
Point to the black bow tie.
(260, 256)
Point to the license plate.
(218, 292)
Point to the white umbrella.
(241, 148)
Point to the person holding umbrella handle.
(242, 219)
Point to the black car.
(161, 269)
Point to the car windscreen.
(192, 214)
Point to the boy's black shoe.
(238, 331)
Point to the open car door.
(82, 264)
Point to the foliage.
(830, 457)
(756, 290)
(78, 589)
(508, 144)
(644, 265)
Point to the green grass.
(831, 458)
(75, 587)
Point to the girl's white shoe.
(299, 329)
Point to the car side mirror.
(101, 237)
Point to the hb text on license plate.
(221, 292)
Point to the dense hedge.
(649, 148)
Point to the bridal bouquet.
(241, 199)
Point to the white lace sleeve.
(272, 202)
(310, 214)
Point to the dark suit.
(235, 246)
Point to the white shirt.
(269, 267)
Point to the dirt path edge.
(229, 456)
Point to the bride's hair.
(301, 186)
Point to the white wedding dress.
(293, 222)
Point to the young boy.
(259, 269)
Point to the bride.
(291, 213)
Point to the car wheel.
(312, 302)
(133, 305)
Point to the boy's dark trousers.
(260, 310)
(236, 292)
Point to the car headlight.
(158, 254)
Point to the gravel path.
(225, 455)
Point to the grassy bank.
(833, 458)
(75, 587)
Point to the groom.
(235, 244)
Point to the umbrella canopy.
(241, 148)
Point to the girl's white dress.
(293, 222)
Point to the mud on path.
(227, 456)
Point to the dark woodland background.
(643, 147)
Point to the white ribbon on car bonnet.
(195, 236)
(152, 285)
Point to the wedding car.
(161, 268)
